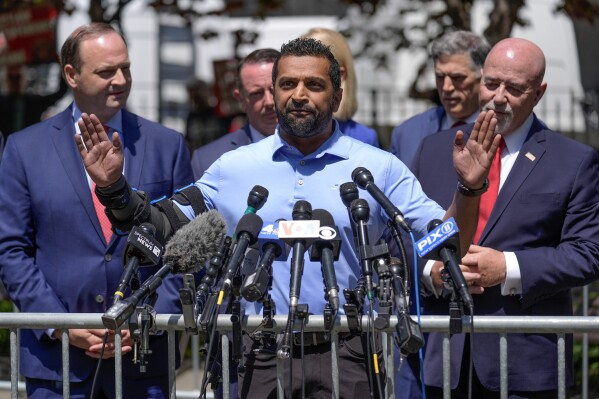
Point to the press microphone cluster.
(187, 251)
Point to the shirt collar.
(338, 145)
(515, 140)
(449, 120)
(256, 135)
(116, 123)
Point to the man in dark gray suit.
(458, 57)
(254, 92)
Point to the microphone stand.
(236, 316)
(141, 324)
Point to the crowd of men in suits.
(539, 237)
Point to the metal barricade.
(171, 323)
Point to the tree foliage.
(378, 29)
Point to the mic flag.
(142, 244)
(445, 233)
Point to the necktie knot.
(458, 123)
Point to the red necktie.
(487, 200)
(458, 123)
(102, 218)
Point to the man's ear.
(540, 91)
(337, 99)
(343, 73)
(239, 98)
(70, 75)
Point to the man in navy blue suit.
(541, 238)
(254, 92)
(458, 57)
(54, 254)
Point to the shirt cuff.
(513, 279)
(427, 279)
(50, 332)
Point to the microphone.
(302, 211)
(187, 251)
(142, 250)
(256, 284)
(270, 234)
(246, 234)
(360, 211)
(272, 248)
(349, 192)
(363, 178)
(400, 293)
(194, 244)
(443, 243)
(256, 199)
(326, 250)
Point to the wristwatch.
(468, 192)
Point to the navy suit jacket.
(547, 213)
(53, 257)
(204, 156)
(406, 138)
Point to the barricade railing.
(171, 323)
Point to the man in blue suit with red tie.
(54, 255)
(537, 235)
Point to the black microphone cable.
(99, 365)
(360, 211)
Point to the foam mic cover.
(348, 192)
(195, 243)
(256, 199)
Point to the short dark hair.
(308, 47)
(260, 56)
(462, 42)
(69, 52)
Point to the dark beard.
(310, 126)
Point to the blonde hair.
(343, 55)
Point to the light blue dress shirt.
(290, 176)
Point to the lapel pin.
(530, 156)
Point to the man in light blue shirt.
(307, 158)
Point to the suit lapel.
(134, 148)
(62, 134)
(529, 157)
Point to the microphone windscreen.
(249, 223)
(362, 177)
(348, 192)
(195, 243)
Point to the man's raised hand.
(472, 158)
(102, 158)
